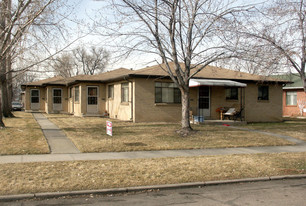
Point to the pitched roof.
(209, 72)
(44, 81)
(294, 78)
(103, 77)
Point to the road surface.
(277, 192)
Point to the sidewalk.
(148, 154)
(57, 140)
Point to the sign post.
(109, 128)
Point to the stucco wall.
(80, 107)
(114, 106)
(293, 110)
(49, 99)
(42, 94)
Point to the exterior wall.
(263, 110)
(49, 100)
(293, 110)
(217, 100)
(80, 108)
(117, 109)
(146, 110)
(27, 101)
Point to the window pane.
(76, 94)
(34, 93)
(167, 95)
(57, 100)
(167, 92)
(57, 92)
(291, 98)
(204, 103)
(204, 91)
(92, 91)
(110, 91)
(125, 92)
(263, 92)
(158, 95)
(92, 100)
(34, 99)
(231, 93)
(177, 95)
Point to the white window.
(291, 98)
(124, 92)
(167, 93)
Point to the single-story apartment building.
(294, 97)
(149, 95)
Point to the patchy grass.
(22, 135)
(88, 134)
(290, 127)
(84, 175)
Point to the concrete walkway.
(148, 154)
(57, 140)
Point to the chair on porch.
(238, 115)
(230, 113)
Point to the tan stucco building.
(148, 95)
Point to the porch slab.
(223, 122)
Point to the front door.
(92, 99)
(204, 101)
(35, 105)
(57, 99)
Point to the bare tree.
(20, 24)
(278, 27)
(92, 62)
(64, 65)
(196, 32)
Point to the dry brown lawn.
(290, 127)
(22, 135)
(89, 135)
(84, 175)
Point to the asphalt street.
(272, 193)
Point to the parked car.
(16, 106)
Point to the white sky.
(86, 10)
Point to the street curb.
(46, 195)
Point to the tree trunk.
(186, 127)
(304, 82)
(1, 116)
(9, 89)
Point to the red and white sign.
(109, 128)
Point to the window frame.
(261, 90)
(292, 95)
(170, 89)
(125, 91)
(232, 95)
